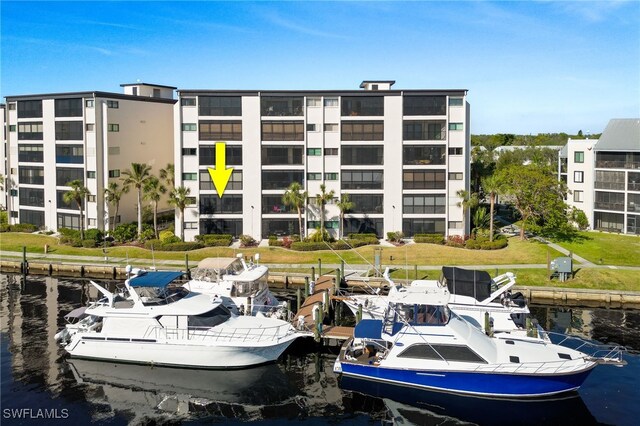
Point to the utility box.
(562, 268)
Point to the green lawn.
(605, 248)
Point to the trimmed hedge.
(338, 245)
(362, 236)
(177, 246)
(19, 227)
(486, 244)
(429, 238)
(215, 240)
(276, 243)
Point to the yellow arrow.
(220, 175)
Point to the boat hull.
(175, 354)
(493, 385)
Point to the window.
(424, 204)
(188, 101)
(68, 107)
(331, 127)
(331, 102)
(272, 204)
(221, 226)
(578, 177)
(424, 105)
(212, 204)
(282, 155)
(90, 127)
(33, 197)
(190, 201)
(578, 196)
(578, 157)
(331, 176)
(189, 127)
(362, 131)
(64, 175)
(281, 179)
(454, 224)
(328, 224)
(92, 222)
(114, 173)
(608, 221)
(609, 201)
(374, 87)
(427, 179)
(367, 225)
(191, 225)
(12, 127)
(313, 102)
(456, 102)
(311, 127)
(331, 151)
(457, 353)
(362, 105)
(410, 227)
(189, 151)
(362, 179)
(455, 126)
(30, 153)
(32, 217)
(14, 214)
(362, 155)
(455, 151)
(609, 179)
(424, 155)
(156, 93)
(281, 106)
(91, 198)
(31, 175)
(235, 181)
(366, 203)
(424, 130)
(220, 130)
(114, 150)
(113, 127)
(282, 131)
(12, 106)
(314, 151)
(314, 176)
(91, 174)
(220, 105)
(232, 154)
(189, 176)
(455, 176)
(113, 104)
(89, 103)
(61, 203)
(70, 154)
(70, 221)
(69, 130)
(30, 109)
(28, 131)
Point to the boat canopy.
(155, 279)
(465, 282)
(368, 329)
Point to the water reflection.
(36, 373)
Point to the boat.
(486, 303)
(422, 344)
(242, 286)
(155, 320)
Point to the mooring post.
(313, 273)
(25, 263)
(342, 268)
(548, 264)
(325, 300)
(186, 265)
(359, 313)
(338, 281)
(338, 315)
(317, 318)
(298, 298)
(306, 287)
(415, 267)
(319, 267)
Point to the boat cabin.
(242, 280)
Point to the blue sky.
(529, 67)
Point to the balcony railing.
(617, 164)
(609, 206)
(610, 185)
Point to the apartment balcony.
(610, 164)
(609, 206)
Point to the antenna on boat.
(257, 258)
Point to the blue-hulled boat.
(422, 344)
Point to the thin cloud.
(590, 11)
(103, 50)
(111, 24)
(278, 20)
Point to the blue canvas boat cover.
(368, 329)
(155, 279)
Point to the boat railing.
(220, 334)
(598, 352)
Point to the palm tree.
(153, 191)
(113, 194)
(321, 200)
(467, 201)
(179, 198)
(293, 197)
(481, 220)
(78, 193)
(491, 186)
(168, 174)
(137, 176)
(344, 205)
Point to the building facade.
(53, 139)
(604, 177)
(400, 155)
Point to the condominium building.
(603, 176)
(400, 155)
(53, 139)
(3, 160)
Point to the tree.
(321, 200)
(113, 194)
(344, 205)
(137, 176)
(294, 197)
(168, 174)
(481, 220)
(468, 201)
(535, 193)
(77, 194)
(491, 187)
(179, 198)
(153, 191)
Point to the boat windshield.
(162, 296)
(423, 314)
(210, 319)
(244, 289)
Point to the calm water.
(38, 379)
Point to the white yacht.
(242, 286)
(157, 321)
(485, 302)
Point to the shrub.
(308, 246)
(148, 232)
(318, 237)
(247, 241)
(287, 241)
(88, 243)
(4, 217)
(23, 227)
(156, 244)
(276, 243)
(168, 236)
(494, 245)
(4, 227)
(182, 246)
(214, 240)
(455, 241)
(429, 238)
(94, 234)
(362, 236)
(67, 232)
(395, 236)
(125, 232)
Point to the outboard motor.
(519, 300)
